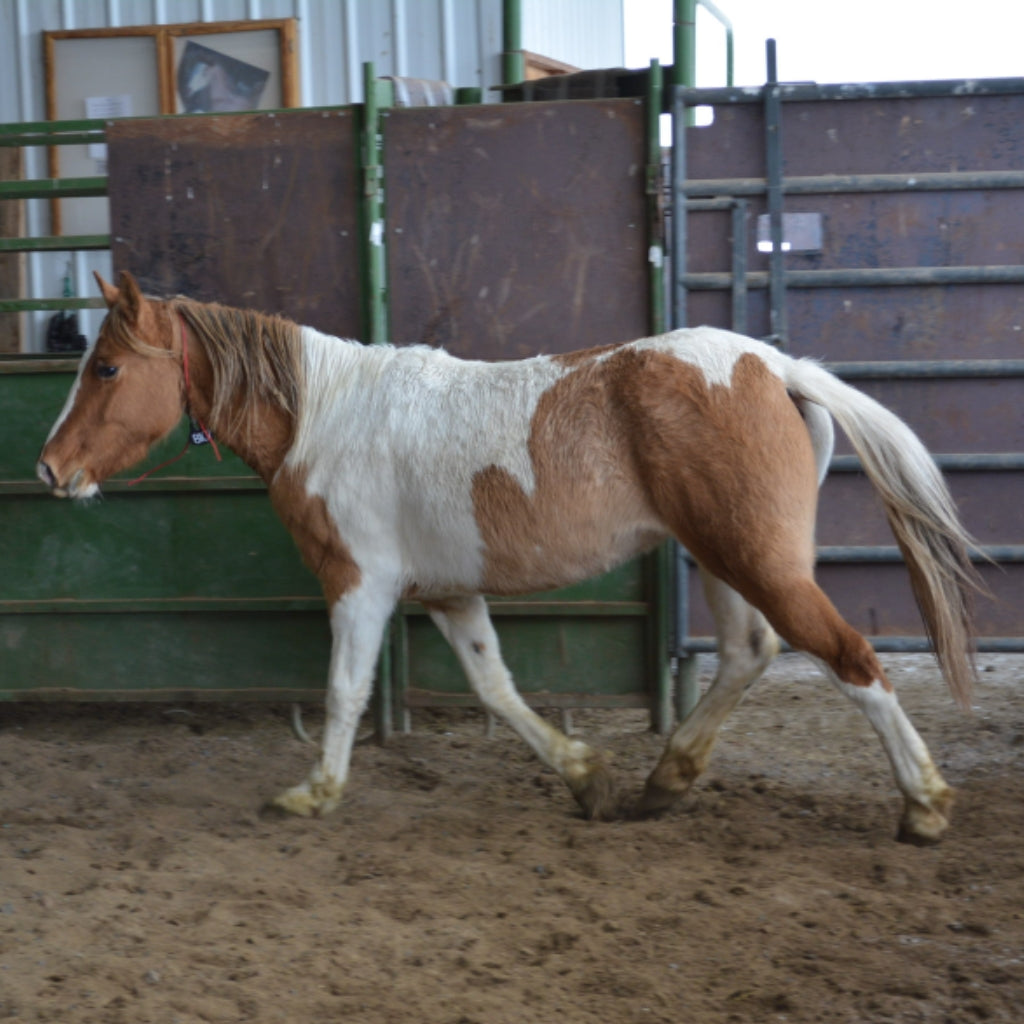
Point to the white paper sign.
(105, 107)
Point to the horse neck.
(258, 431)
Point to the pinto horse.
(405, 472)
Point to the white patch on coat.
(72, 395)
(391, 439)
(713, 351)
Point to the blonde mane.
(254, 358)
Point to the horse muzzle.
(76, 487)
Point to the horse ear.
(110, 293)
(130, 297)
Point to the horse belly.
(532, 544)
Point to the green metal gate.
(186, 586)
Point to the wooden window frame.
(165, 38)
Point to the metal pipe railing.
(840, 184)
(862, 277)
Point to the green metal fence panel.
(186, 585)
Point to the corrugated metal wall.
(458, 41)
(584, 33)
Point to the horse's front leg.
(357, 627)
(466, 625)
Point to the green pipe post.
(655, 246)
(375, 99)
(684, 74)
(662, 711)
(512, 63)
(684, 43)
(377, 96)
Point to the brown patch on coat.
(588, 511)
(641, 439)
(731, 468)
(307, 519)
(733, 471)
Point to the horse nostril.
(45, 474)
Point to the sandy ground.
(458, 885)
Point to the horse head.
(129, 393)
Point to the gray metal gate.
(876, 227)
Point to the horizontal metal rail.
(153, 485)
(53, 133)
(1004, 554)
(301, 603)
(886, 645)
(219, 694)
(53, 188)
(915, 369)
(60, 133)
(55, 243)
(806, 92)
(415, 697)
(34, 362)
(863, 277)
(162, 605)
(697, 189)
(48, 305)
(983, 462)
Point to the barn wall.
(584, 33)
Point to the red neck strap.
(184, 363)
(202, 425)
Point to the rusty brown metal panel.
(252, 210)
(865, 136)
(876, 600)
(969, 416)
(906, 136)
(518, 229)
(950, 322)
(934, 322)
(850, 513)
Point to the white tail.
(921, 513)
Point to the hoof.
(654, 801)
(924, 826)
(307, 800)
(665, 787)
(596, 793)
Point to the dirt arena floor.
(458, 884)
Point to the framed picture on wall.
(148, 70)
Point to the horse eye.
(105, 371)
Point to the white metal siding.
(584, 33)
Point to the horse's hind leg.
(805, 617)
(746, 509)
(466, 625)
(746, 646)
